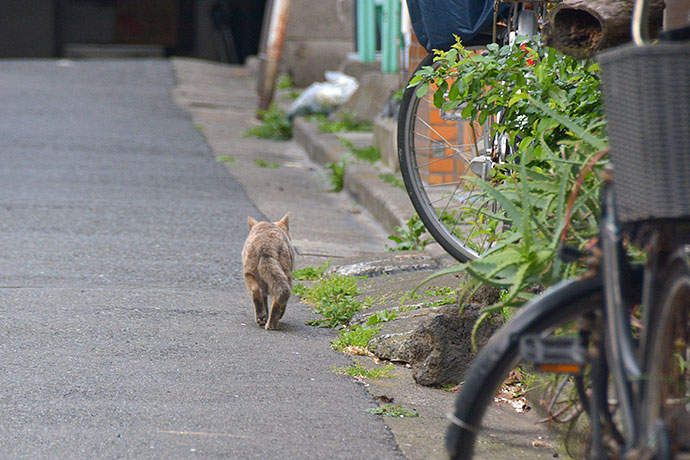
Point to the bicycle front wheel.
(667, 401)
(478, 423)
(438, 151)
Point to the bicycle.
(439, 149)
(630, 373)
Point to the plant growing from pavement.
(337, 173)
(344, 122)
(382, 316)
(359, 371)
(409, 237)
(311, 273)
(370, 154)
(355, 339)
(265, 164)
(274, 125)
(548, 193)
(389, 410)
(334, 298)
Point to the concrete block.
(353, 67)
(374, 90)
(320, 19)
(386, 139)
(307, 60)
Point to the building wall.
(27, 28)
(86, 22)
(319, 37)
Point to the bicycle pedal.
(553, 354)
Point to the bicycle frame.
(621, 349)
(623, 355)
(633, 361)
(622, 352)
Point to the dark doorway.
(237, 28)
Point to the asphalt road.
(125, 329)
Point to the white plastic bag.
(326, 96)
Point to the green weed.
(333, 297)
(345, 122)
(274, 125)
(225, 159)
(393, 180)
(437, 295)
(369, 154)
(284, 81)
(337, 174)
(311, 273)
(357, 337)
(357, 370)
(382, 317)
(265, 164)
(389, 410)
(409, 237)
(299, 289)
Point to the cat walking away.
(267, 259)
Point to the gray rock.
(441, 348)
(393, 341)
(436, 342)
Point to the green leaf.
(517, 97)
(560, 210)
(438, 98)
(454, 92)
(416, 79)
(518, 281)
(570, 124)
(513, 212)
(481, 118)
(467, 112)
(422, 90)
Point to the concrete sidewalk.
(222, 102)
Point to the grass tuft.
(359, 371)
(355, 338)
(311, 273)
(389, 410)
(274, 125)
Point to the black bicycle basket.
(647, 102)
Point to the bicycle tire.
(434, 161)
(559, 305)
(668, 347)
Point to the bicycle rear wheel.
(667, 397)
(437, 152)
(476, 429)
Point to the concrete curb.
(388, 204)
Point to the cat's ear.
(252, 222)
(283, 223)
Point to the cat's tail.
(274, 276)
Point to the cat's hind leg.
(259, 299)
(278, 305)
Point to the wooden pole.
(580, 28)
